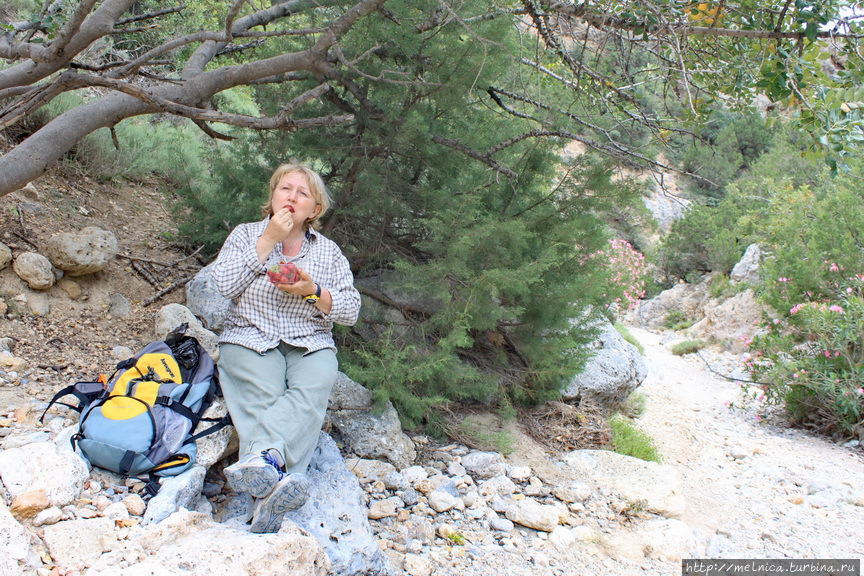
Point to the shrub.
(687, 347)
(812, 361)
(630, 441)
(676, 320)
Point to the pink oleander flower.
(836, 308)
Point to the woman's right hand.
(280, 225)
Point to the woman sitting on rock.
(277, 355)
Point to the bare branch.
(151, 15)
(471, 153)
(278, 122)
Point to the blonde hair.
(316, 187)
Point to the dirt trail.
(755, 489)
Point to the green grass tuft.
(630, 441)
(625, 333)
(687, 347)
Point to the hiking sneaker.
(290, 493)
(256, 474)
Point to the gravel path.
(754, 488)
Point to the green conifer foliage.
(500, 259)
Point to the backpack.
(142, 420)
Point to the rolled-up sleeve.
(346, 298)
(237, 265)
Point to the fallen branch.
(404, 308)
(138, 266)
(164, 291)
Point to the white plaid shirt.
(260, 315)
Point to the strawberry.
(283, 273)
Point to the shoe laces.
(271, 459)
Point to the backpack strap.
(126, 462)
(85, 392)
(219, 424)
(178, 407)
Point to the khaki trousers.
(277, 399)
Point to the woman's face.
(293, 191)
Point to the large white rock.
(747, 269)
(205, 301)
(77, 544)
(216, 446)
(534, 515)
(175, 492)
(14, 542)
(484, 465)
(611, 375)
(688, 299)
(35, 269)
(192, 543)
(362, 430)
(368, 471)
(83, 252)
(669, 539)
(733, 321)
(43, 465)
(656, 486)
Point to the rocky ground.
(751, 488)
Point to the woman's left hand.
(302, 287)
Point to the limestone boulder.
(733, 321)
(530, 513)
(337, 517)
(193, 541)
(61, 473)
(687, 299)
(484, 465)
(34, 269)
(15, 542)
(175, 492)
(173, 315)
(77, 544)
(615, 370)
(205, 301)
(83, 252)
(214, 447)
(656, 487)
(362, 429)
(747, 269)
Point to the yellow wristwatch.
(313, 298)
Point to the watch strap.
(313, 298)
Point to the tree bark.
(35, 155)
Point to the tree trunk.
(32, 158)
